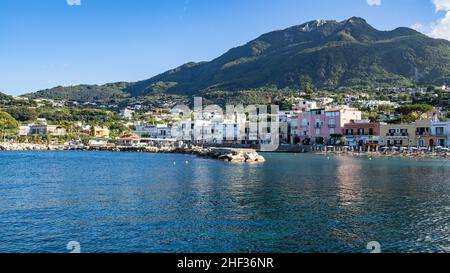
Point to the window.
(332, 114)
(304, 123)
(332, 123)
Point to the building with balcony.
(400, 135)
(319, 126)
(424, 138)
(362, 133)
(441, 132)
(159, 131)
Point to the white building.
(126, 113)
(211, 128)
(377, 103)
(159, 131)
(40, 127)
(288, 124)
(304, 106)
(441, 130)
(324, 101)
(24, 130)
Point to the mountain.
(326, 54)
(323, 54)
(4, 96)
(84, 93)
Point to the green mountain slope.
(325, 54)
(4, 96)
(84, 93)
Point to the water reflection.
(349, 173)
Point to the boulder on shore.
(236, 155)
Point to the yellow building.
(101, 132)
(398, 135)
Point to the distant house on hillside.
(101, 132)
(126, 113)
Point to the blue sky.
(45, 43)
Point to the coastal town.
(351, 122)
(224, 135)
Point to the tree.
(374, 117)
(7, 125)
(23, 114)
(411, 113)
(117, 129)
(92, 130)
(70, 127)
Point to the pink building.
(316, 126)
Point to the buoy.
(187, 162)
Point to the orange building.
(101, 132)
(362, 132)
(424, 137)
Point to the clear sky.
(45, 43)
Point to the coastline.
(390, 154)
(230, 154)
(224, 154)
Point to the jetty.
(226, 154)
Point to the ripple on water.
(124, 202)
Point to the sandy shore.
(405, 154)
